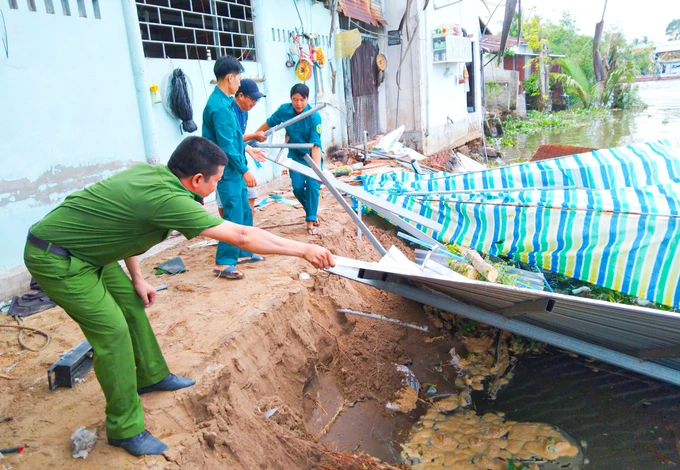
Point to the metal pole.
(359, 215)
(387, 209)
(134, 40)
(365, 144)
(297, 118)
(476, 191)
(383, 318)
(325, 179)
(282, 146)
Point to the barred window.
(197, 29)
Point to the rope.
(20, 326)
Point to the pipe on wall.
(137, 61)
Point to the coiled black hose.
(179, 101)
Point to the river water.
(623, 420)
(660, 120)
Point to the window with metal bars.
(197, 29)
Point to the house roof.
(492, 43)
(368, 11)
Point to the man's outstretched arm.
(256, 240)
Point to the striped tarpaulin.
(609, 217)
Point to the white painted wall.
(273, 21)
(68, 114)
(200, 74)
(432, 104)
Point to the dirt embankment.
(252, 346)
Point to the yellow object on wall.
(346, 43)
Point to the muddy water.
(661, 120)
(366, 426)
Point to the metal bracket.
(531, 306)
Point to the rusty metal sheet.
(363, 10)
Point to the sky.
(637, 18)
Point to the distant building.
(667, 57)
(505, 80)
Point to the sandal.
(253, 259)
(230, 272)
(312, 231)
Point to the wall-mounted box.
(447, 49)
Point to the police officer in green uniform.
(305, 131)
(73, 253)
(221, 127)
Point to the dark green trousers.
(103, 301)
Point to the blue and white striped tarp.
(609, 217)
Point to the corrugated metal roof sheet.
(627, 330)
(368, 11)
(492, 43)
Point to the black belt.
(45, 245)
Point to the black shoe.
(170, 383)
(141, 444)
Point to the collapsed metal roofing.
(636, 338)
(640, 339)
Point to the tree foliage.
(578, 77)
(673, 29)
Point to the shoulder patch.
(318, 128)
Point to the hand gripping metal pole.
(329, 184)
(287, 123)
(284, 146)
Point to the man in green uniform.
(73, 254)
(305, 131)
(221, 127)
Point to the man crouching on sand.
(73, 254)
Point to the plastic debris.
(268, 414)
(82, 442)
(580, 290)
(407, 396)
(304, 276)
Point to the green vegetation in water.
(565, 285)
(538, 121)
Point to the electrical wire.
(298, 13)
(368, 31)
(20, 326)
(5, 40)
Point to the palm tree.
(573, 79)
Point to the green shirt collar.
(174, 180)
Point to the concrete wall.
(200, 74)
(273, 21)
(432, 104)
(505, 95)
(68, 115)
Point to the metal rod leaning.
(383, 318)
(282, 146)
(386, 208)
(329, 184)
(287, 123)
